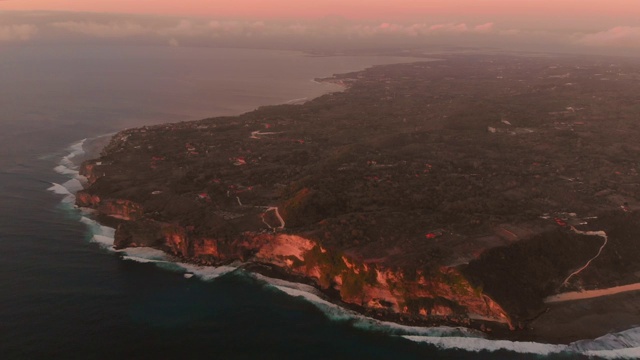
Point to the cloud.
(330, 32)
(619, 36)
(182, 28)
(450, 28)
(173, 32)
(116, 29)
(419, 29)
(22, 32)
(251, 29)
(484, 28)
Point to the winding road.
(589, 233)
(274, 208)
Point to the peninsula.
(488, 191)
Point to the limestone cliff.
(443, 293)
(437, 295)
(461, 211)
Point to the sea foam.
(73, 186)
(59, 189)
(168, 262)
(69, 168)
(310, 294)
(357, 320)
(76, 150)
(631, 353)
(65, 170)
(620, 345)
(480, 344)
(105, 236)
(297, 101)
(624, 344)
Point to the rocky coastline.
(416, 195)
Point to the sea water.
(67, 294)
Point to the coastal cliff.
(442, 294)
(460, 212)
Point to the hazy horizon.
(569, 26)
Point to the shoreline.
(486, 327)
(398, 318)
(592, 318)
(590, 294)
(493, 330)
(88, 147)
(498, 338)
(487, 330)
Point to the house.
(434, 234)
(560, 222)
(239, 161)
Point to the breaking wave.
(105, 237)
(310, 294)
(480, 344)
(357, 320)
(69, 166)
(297, 101)
(622, 345)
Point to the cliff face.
(90, 171)
(117, 208)
(84, 199)
(443, 293)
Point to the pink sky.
(354, 9)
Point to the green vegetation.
(520, 276)
(415, 167)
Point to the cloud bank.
(10, 33)
(102, 30)
(333, 33)
(618, 37)
(217, 28)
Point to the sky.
(352, 9)
(598, 26)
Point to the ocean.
(66, 295)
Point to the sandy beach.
(589, 294)
(587, 318)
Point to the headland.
(467, 191)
